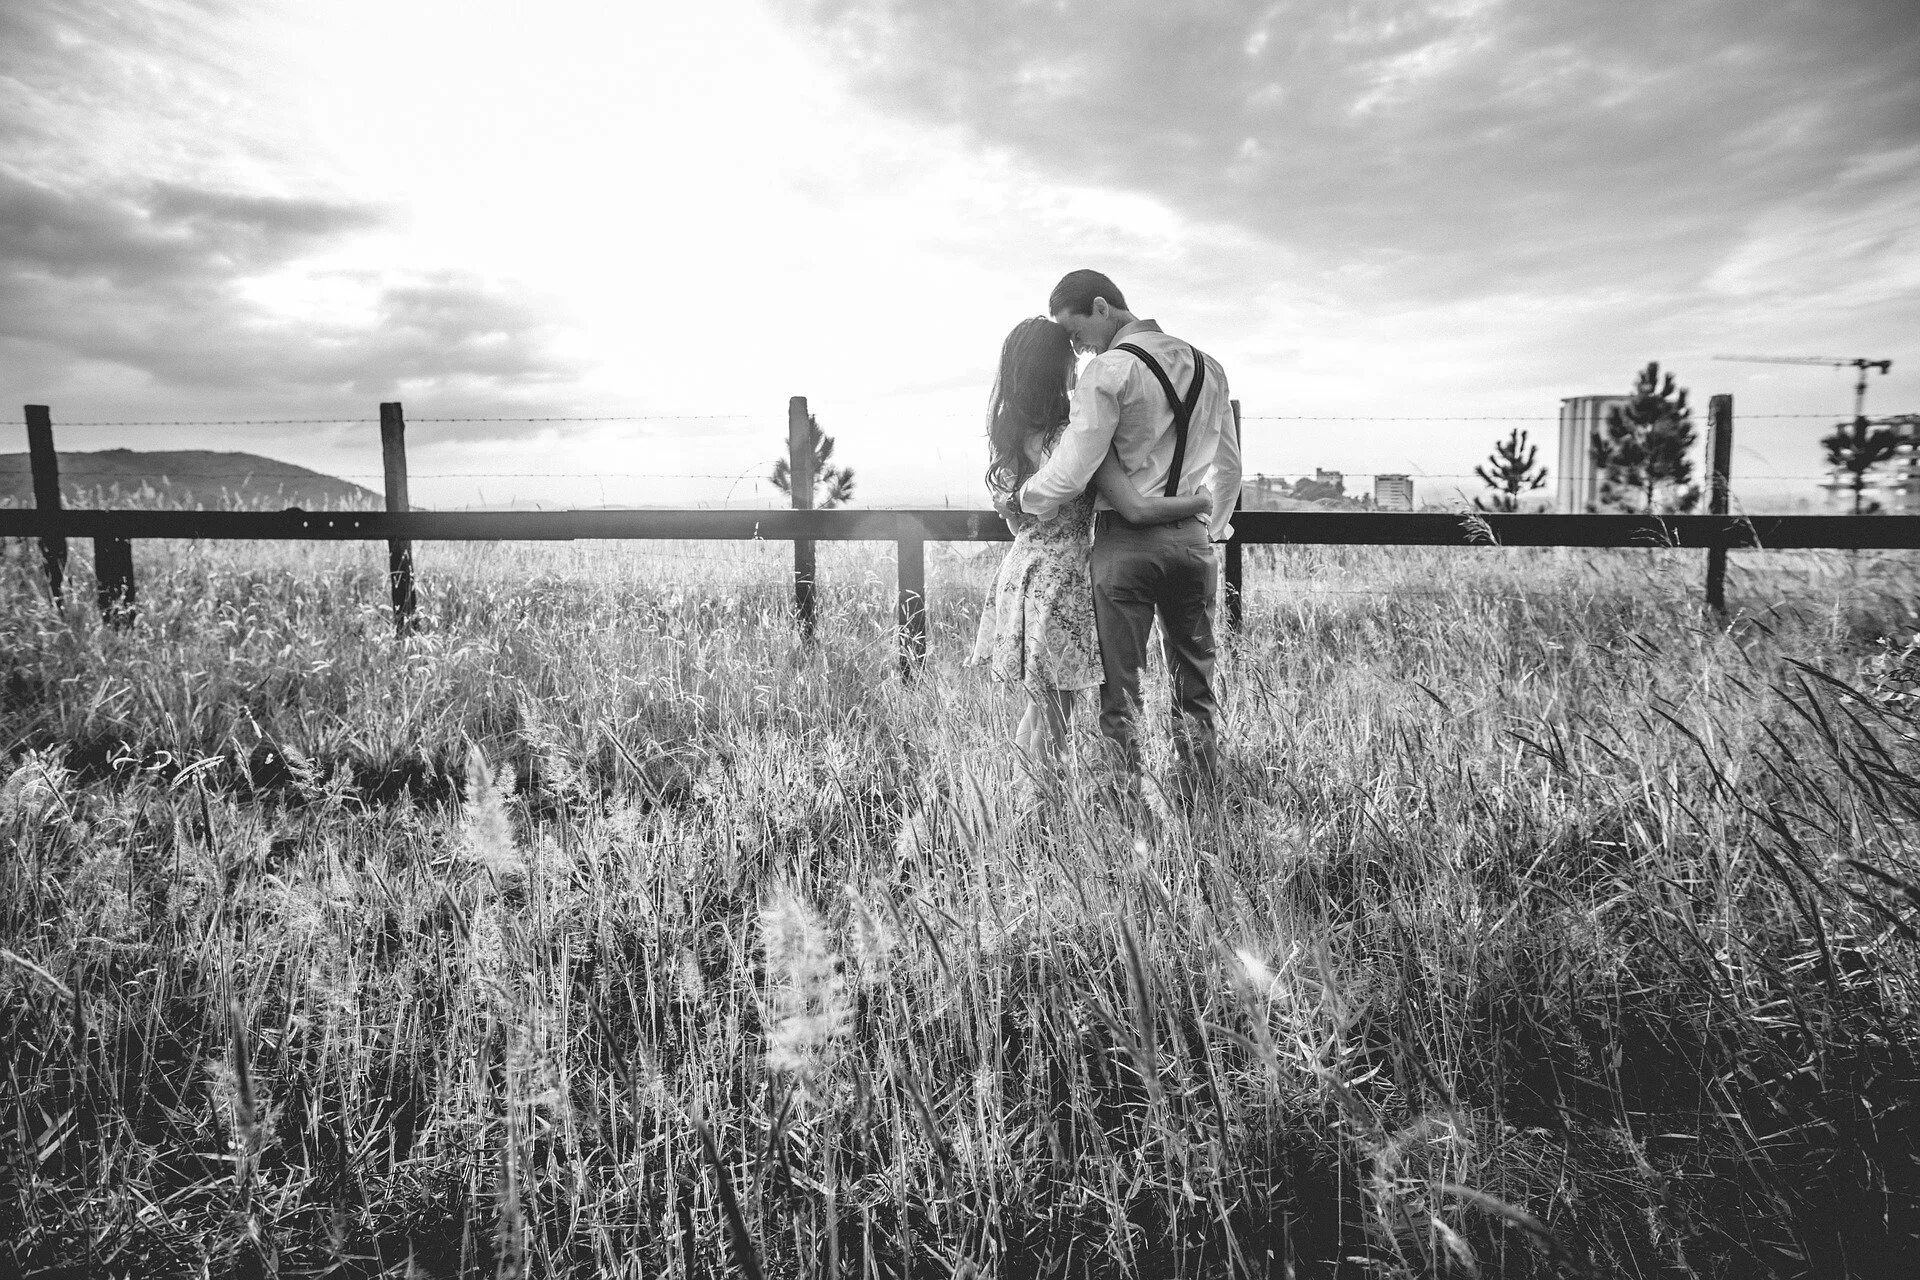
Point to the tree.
(1315, 489)
(1510, 471)
(1645, 455)
(1858, 447)
(831, 485)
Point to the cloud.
(172, 234)
(1452, 206)
(163, 285)
(272, 222)
(211, 210)
(1859, 234)
(87, 86)
(1451, 147)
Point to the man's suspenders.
(1182, 409)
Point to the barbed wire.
(363, 418)
(555, 475)
(632, 417)
(1493, 417)
(741, 417)
(222, 422)
(1246, 476)
(290, 480)
(285, 480)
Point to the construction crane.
(1860, 363)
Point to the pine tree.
(1510, 470)
(1645, 455)
(831, 485)
(1856, 448)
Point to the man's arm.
(1084, 443)
(1224, 478)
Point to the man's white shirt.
(1119, 403)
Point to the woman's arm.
(1112, 482)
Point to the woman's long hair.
(1029, 399)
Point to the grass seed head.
(489, 839)
(37, 789)
(807, 1011)
(1254, 974)
(870, 937)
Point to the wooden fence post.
(113, 580)
(1719, 468)
(46, 490)
(393, 456)
(800, 485)
(1234, 567)
(910, 555)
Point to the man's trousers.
(1140, 571)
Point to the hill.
(195, 478)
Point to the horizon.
(1455, 493)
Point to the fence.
(113, 532)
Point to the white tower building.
(1577, 486)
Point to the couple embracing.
(1116, 483)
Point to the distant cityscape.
(1894, 489)
(1575, 482)
(1326, 489)
(1898, 490)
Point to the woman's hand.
(1197, 503)
(1016, 518)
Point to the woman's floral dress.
(1037, 629)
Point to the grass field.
(1544, 925)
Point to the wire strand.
(307, 422)
(223, 422)
(286, 478)
(555, 475)
(740, 417)
(640, 417)
(1737, 478)
(1487, 417)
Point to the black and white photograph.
(960, 640)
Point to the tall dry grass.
(1543, 925)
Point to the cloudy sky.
(682, 214)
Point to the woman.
(1038, 626)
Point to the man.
(1140, 571)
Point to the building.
(1900, 489)
(1893, 488)
(1581, 419)
(1393, 492)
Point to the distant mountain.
(184, 478)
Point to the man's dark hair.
(1077, 290)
